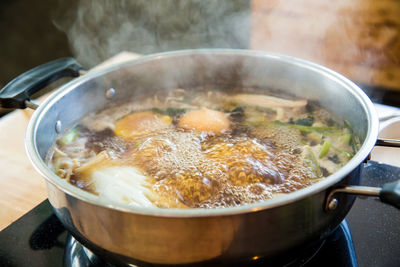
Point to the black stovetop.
(371, 236)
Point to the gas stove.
(369, 236)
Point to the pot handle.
(387, 142)
(389, 193)
(16, 94)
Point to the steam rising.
(358, 38)
(100, 29)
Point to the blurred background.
(358, 38)
(29, 36)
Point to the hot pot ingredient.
(203, 150)
(140, 122)
(205, 120)
(129, 182)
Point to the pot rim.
(50, 176)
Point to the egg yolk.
(141, 122)
(205, 120)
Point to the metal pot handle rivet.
(58, 126)
(110, 93)
(332, 204)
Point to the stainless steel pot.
(170, 236)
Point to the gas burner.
(336, 250)
(76, 255)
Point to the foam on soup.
(202, 149)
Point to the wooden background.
(358, 38)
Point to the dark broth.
(202, 149)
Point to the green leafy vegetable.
(307, 129)
(302, 128)
(315, 164)
(69, 137)
(308, 121)
(157, 110)
(347, 154)
(346, 138)
(324, 149)
(314, 137)
(348, 126)
(354, 142)
(338, 133)
(237, 112)
(321, 129)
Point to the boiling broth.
(202, 149)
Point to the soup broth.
(202, 149)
